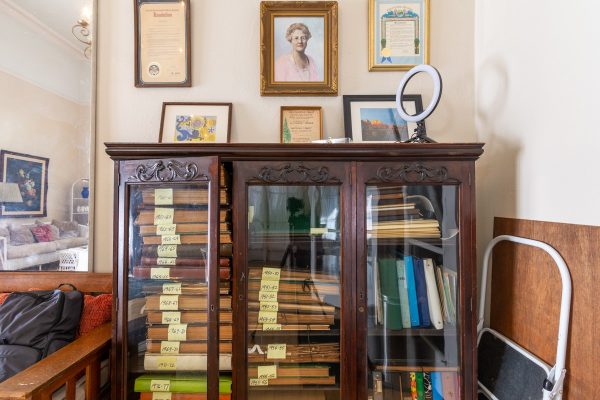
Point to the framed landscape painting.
(31, 174)
(195, 123)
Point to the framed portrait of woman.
(298, 48)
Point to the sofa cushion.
(67, 229)
(42, 233)
(55, 233)
(67, 243)
(97, 310)
(30, 249)
(21, 235)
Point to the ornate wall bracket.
(167, 171)
(299, 173)
(413, 173)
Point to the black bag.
(35, 324)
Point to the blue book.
(412, 292)
(436, 383)
(421, 285)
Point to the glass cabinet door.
(293, 309)
(412, 291)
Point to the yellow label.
(161, 396)
(163, 197)
(171, 317)
(267, 371)
(166, 363)
(166, 229)
(271, 327)
(171, 287)
(165, 261)
(167, 347)
(170, 239)
(271, 274)
(267, 317)
(318, 231)
(269, 306)
(269, 286)
(267, 296)
(159, 385)
(259, 382)
(169, 302)
(276, 351)
(177, 332)
(163, 216)
(167, 250)
(160, 273)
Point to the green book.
(420, 387)
(179, 383)
(388, 281)
(403, 293)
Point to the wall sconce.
(82, 33)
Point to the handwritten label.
(269, 306)
(267, 371)
(271, 274)
(267, 317)
(267, 296)
(259, 382)
(271, 327)
(159, 385)
(166, 363)
(167, 347)
(177, 332)
(166, 229)
(269, 286)
(171, 317)
(276, 351)
(170, 239)
(318, 231)
(163, 216)
(167, 250)
(169, 302)
(163, 197)
(165, 261)
(171, 287)
(161, 396)
(160, 273)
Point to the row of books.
(413, 292)
(179, 387)
(417, 385)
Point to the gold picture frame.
(301, 124)
(394, 21)
(298, 48)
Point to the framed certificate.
(162, 43)
(301, 124)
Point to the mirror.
(47, 123)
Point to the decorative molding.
(413, 173)
(289, 173)
(169, 171)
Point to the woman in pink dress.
(296, 66)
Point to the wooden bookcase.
(337, 271)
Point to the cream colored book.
(183, 362)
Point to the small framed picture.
(298, 48)
(162, 43)
(374, 118)
(301, 124)
(398, 34)
(195, 123)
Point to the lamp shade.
(10, 193)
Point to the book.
(301, 353)
(319, 308)
(188, 196)
(183, 396)
(193, 332)
(182, 262)
(183, 362)
(421, 287)
(436, 384)
(433, 298)
(300, 287)
(392, 318)
(300, 298)
(302, 380)
(449, 302)
(439, 280)
(181, 228)
(146, 216)
(403, 293)
(155, 346)
(413, 386)
(420, 386)
(187, 239)
(294, 318)
(450, 386)
(427, 388)
(164, 272)
(291, 327)
(291, 275)
(295, 370)
(412, 291)
(181, 383)
(185, 302)
(189, 317)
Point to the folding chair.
(506, 370)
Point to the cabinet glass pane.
(167, 289)
(294, 266)
(413, 336)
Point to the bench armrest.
(81, 357)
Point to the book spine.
(392, 318)
(412, 292)
(403, 293)
(421, 292)
(413, 386)
(420, 387)
(433, 299)
(436, 385)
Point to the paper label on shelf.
(318, 231)
(177, 332)
(267, 317)
(163, 215)
(171, 287)
(160, 273)
(166, 363)
(271, 274)
(161, 396)
(267, 296)
(271, 327)
(269, 306)
(166, 229)
(171, 317)
(160, 385)
(269, 286)
(165, 261)
(167, 250)
(276, 351)
(169, 302)
(167, 347)
(267, 371)
(259, 382)
(163, 197)
(170, 239)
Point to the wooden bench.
(67, 365)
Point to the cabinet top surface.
(344, 151)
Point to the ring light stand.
(420, 134)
